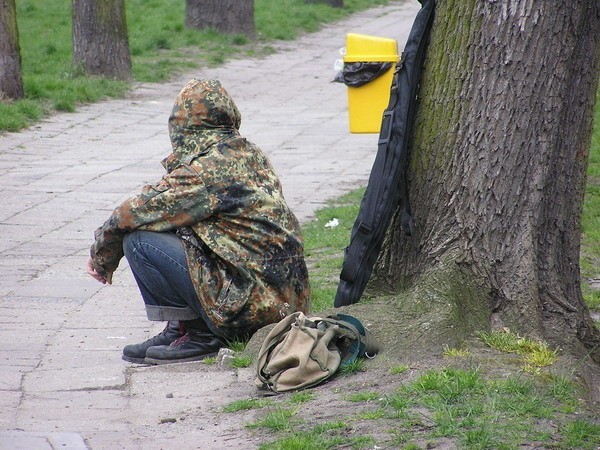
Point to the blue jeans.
(159, 266)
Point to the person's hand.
(102, 277)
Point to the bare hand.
(95, 274)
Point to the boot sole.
(155, 361)
(131, 359)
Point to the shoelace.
(183, 339)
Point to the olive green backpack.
(301, 352)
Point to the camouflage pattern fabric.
(221, 195)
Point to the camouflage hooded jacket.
(222, 197)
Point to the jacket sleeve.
(179, 199)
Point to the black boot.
(197, 344)
(136, 353)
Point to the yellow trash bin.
(367, 103)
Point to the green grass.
(277, 419)
(450, 404)
(535, 354)
(590, 222)
(317, 438)
(239, 359)
(210, 361)
(159, 43)
(237, 346)
(364, 396)
(299, 397)
(358, 365)
(286, 19)
(399, 369)
(246, 404)
(239, 362)
(324, 246)
(448, 383)
(477, 412)
(373, 414)
(581, 434)
(456, 352)
(399, 404)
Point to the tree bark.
(225, 16)
(11, 79)
(498, 169)
(100, 42)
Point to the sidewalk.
(62, 381)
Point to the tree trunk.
(225, 16)
(498, 170)
(334, 3)
(11, 80)
(100, 42)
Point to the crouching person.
(213, 246)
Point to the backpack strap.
(362, 342)
(371, 345)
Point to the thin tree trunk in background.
(100, 42)
(11, 79)
(498, 167)
(225, 16)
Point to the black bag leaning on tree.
(387, 189)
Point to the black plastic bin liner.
(356, 74)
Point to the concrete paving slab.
(75, 410)
(11, 378)
(84, 377)
(68, 358)
(12, 358)
(52, 288)
(9, 404)
(80, 341)
(25, 441)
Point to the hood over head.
(203, 115)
